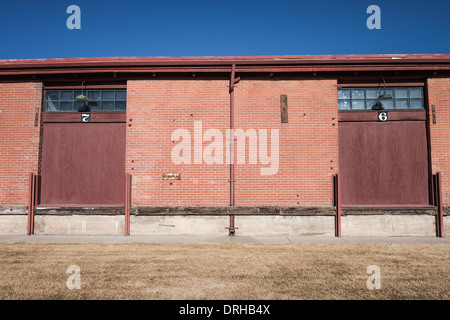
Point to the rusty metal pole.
(127, 203)
(338, 206)
(233, 81)
(440, 217)
(31, 203)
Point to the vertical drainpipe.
(233, 81)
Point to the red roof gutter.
(208, 61)
(222, 64)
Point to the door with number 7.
(83, 159)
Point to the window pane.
(66, 106)
(94, 95)
(53, 95)
(107, 105)
(401, 93)
(344, 104)
(107, 95)
(388, 91)
(67, 95)
(416, 104)
(357, 93)
(94, 105)
(401, 104)
(122, 95)
(78, 105)
(121, 105)
(415, 93)
(388, 104)
(370, 104)
(371, 94)
(358, 104)
(52, 106)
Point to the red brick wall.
(308, 143)
(156, 109)
(19, 139)
(439, 95)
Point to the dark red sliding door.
(83, 163)
(383, 163)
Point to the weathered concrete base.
(388, 225)
(245, 225)
(178, 225)
(79, 225)
(285, 225)
(446, 226)
(13, 224)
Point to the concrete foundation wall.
(246, 225)
(178, 225)
(388, 225)
(351, 225)
(447, 226)
(287, 225)
(13, 224)
(79, 225)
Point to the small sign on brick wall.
(171, 176)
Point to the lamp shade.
(384, 96)
(81, 97)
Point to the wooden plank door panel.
(383, 163)
(83, 164)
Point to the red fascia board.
(281, 68)
(250, 60)
(223, 64)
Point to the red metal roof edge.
(226, 60)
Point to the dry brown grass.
(224, 271)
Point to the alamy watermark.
(374, 280)
(74, 20)
(218, 153)
(374, 21)
(74, 280)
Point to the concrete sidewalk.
(218, 239)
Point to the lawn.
(224, 271)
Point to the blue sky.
(37, 29)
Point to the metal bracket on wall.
(36, 117)
(433, 113)
(284, 108)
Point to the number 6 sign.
(382, 116)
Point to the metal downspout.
(233, 81)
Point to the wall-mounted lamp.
(82, 97)
(384, 96)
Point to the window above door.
(360, 99)
(98, 100)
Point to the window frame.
(95, 105)
(391, 90)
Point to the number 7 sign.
(85, 117)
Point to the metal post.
(232, 83)
(31, 204)
(337, 200)
(127, 203)
(440, 216)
